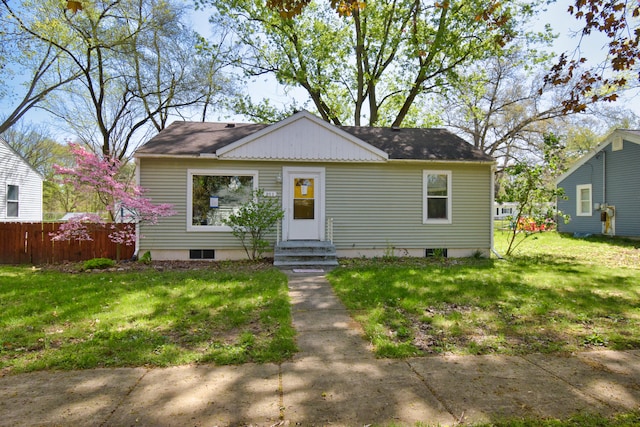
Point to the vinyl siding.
(373, 206)
(588, 173)
(377, 206)
(623, 188)
(165, 181)
(15, 171)
(622, 184)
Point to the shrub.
(253, 221)
(146, 258)
(98, 264)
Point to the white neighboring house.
(505, 210)
(20, 187)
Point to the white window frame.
(425, 211)
(579, 189)
(212, 172)
(16, 201)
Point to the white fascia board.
(627, 136)
(169, 156)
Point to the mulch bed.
(244, 265)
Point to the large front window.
(215, 195)
(437, 197)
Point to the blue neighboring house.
(603, 188)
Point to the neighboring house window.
(213, 195)
(437, 197)
(583, 200)
(13, 198)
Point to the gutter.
(168, 156)
(462, 162)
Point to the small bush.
(98, 264)
(146, 258)
(252, 222)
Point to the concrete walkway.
(334, 380)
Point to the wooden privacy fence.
(30, 243)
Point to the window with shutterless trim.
(213, 195)
(584, 200)
(13, 201)
(436, 197)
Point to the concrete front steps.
(305, 253)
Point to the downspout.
(604, 176)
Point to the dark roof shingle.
(194, 138)
(418, 143)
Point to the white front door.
(303, 203)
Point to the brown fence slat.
(30, 243)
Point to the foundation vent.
(202, 254)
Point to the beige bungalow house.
(346, 191)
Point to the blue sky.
(556, 14)
(265, 87)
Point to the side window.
(436, 197)
(214, 195)
(13, 201)
(583, 200)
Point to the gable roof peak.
(631, 135)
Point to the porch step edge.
(298, 263)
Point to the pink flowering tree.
(121, 199)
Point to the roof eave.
(172, 156)
(461, 161)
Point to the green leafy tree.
(532, 187)
(30, 68)
(253, 220)
(136, 61)
(503, 106)
(617, 20)
(34, 143)
(373, 65)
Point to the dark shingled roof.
(418, 143)
(193, 138)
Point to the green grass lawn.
(628, 419)
(556, 294)
(55, 320)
